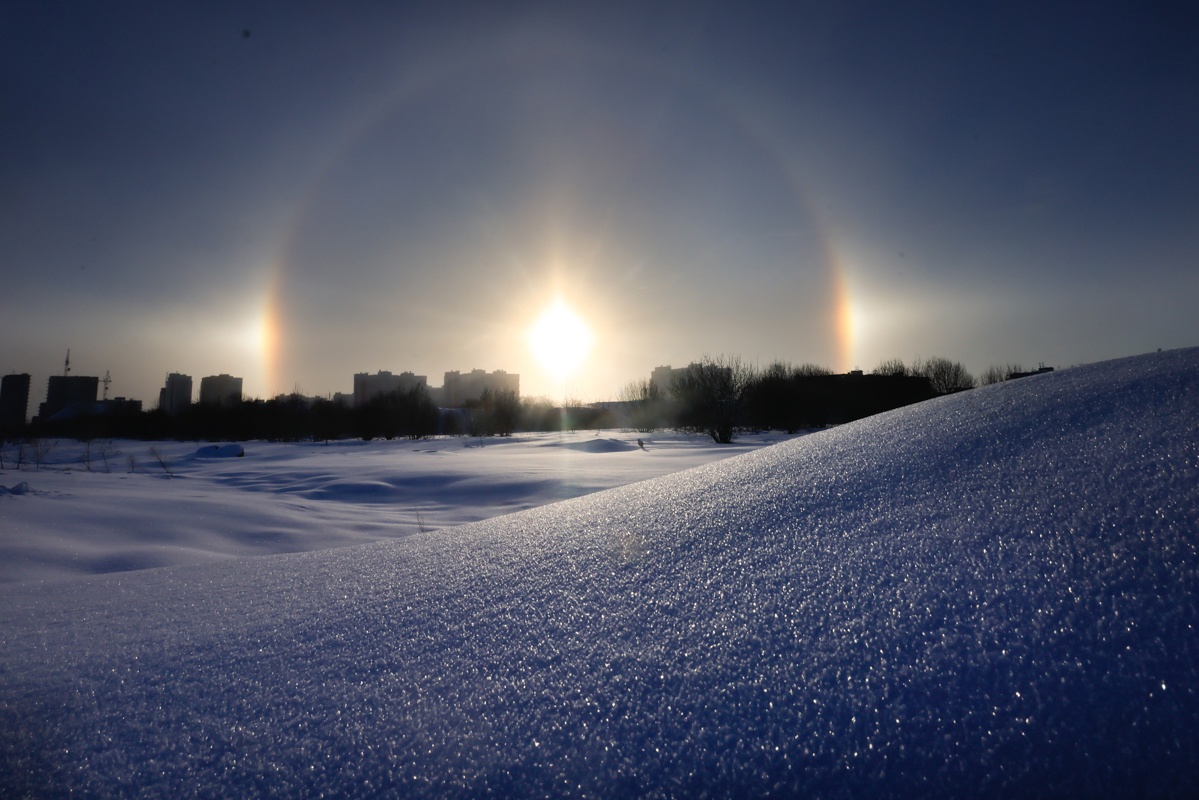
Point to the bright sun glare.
(560, 339)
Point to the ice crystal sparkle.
(993, 593)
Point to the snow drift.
(989, 594)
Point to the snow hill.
(990, 594)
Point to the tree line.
(716, 396)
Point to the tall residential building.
(459, 389)
(65, 392)
(220, 390)
(368, 387)
(176, 396)
(14, 402)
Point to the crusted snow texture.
(990, 594)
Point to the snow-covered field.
(991, 594)
(119, 506)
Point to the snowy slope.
(990, 594)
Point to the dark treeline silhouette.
(799, 401)
(402, 414)
(945, 376)
(397, 415)
(492, 414)
(289, 418)
(716, 396)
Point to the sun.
(560, 339)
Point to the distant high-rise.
(367, 386)
(459, 388)
(14, 402)
(176, 396)
(220, 390)
(67, 392)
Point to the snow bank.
(221, 451)
(596, 445)
(990, 594)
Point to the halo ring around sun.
(758, 130)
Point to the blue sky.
(298, 192)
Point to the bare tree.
(161, 462)
(539, 414)
(810, 370)
(999, 373)
(945, 376)
(107, 449)
(569, 412)
(495, 413)
(711, 394)
(892, 366)
(643, 402)
(41, 447)
(505, 412)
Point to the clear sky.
(295, 192)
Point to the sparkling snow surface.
(990, 594)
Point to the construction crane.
(66, 367)
(107, 380)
